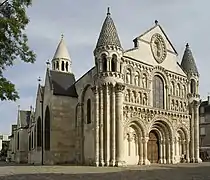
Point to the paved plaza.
(153, 172)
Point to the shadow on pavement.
(169, 173)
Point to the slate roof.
(63, 83)
(188, 63)
(108, 34)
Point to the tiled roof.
(108, 34)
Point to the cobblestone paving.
(153, 172)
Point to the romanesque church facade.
(134, 107)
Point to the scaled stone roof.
(108, 34)
(63, 83)
(188, 63)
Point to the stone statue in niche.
(144, 81)
(183, 91)
(181, 106)
(177, 105)
(177, 90)
(136, 79)
(185, 107)
(172, 104)
(137, 97)
(128, 76)
(144, 99)
(127, 96)
(132, 97)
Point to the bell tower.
(189, 66)
(61, 61)
(108, 90)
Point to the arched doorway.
(153, 147)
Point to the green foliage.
(13, 42)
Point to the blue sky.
(80, 21)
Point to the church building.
(135, 106)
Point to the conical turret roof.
(188, 63)
(61, 51)
(108, 34)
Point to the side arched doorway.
(153, 147)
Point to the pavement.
(9, 171)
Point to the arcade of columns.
(109, 132)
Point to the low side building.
(205, 126)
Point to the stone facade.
(136, 106)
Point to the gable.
(143, 51)
(146, 37)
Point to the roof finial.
(187, 45)
(108, 11)
(48, 63)
(62, 36)
(156, 22)
(39, 79)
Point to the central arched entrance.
(153, 147)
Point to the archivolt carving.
(163, 119)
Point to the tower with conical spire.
(61, 61)
(108, 51)
(109, 96)
(189, 67)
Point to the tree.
(13, 42)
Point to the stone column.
(172, 150)
(164, 152)
(192, 159)
(119, 125)
(96, 123)
(187, 151)
(168, 151)
(196, 133)
(101, 161)
(113, 132)
(141, 151)
(161, 151)
(145, 141)
(107, 130)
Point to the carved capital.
(119, 87)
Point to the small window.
(62, 66)
(202, 110)
(57, 65)
(104, 62)
(192, 86)
(202, 119)
(18, 141)
(202, 131)
(114, 63)
(67, 66)
(88, 111)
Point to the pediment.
(147, 36)
(154, 48)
